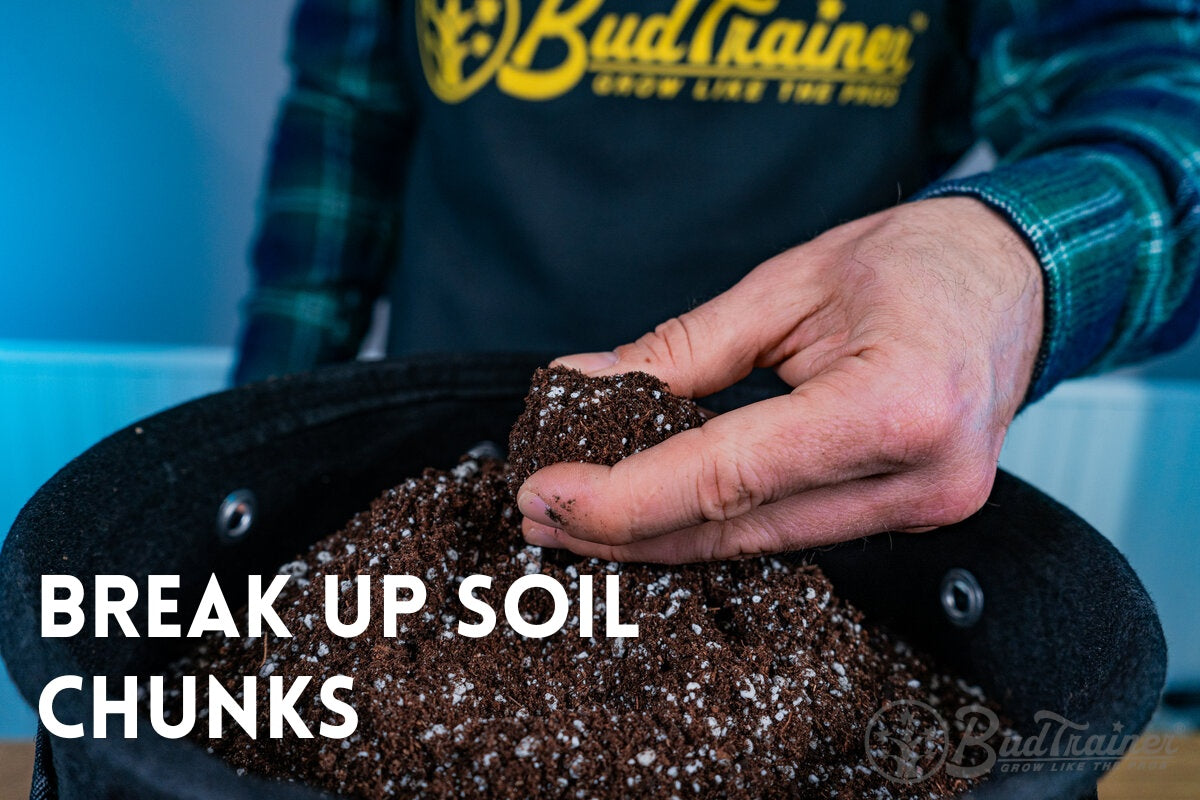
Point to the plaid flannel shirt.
(1093, 108)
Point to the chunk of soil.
(572, 417)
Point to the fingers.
(819, 517)
(710, 347)
(828, 432)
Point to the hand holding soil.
(910, 337)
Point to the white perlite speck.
(297, 569)
(460, 691)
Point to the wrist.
(1006, 286)
(1013, 286)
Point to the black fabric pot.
(1066, 626)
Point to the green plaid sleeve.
(1094, 108)
(329, 211)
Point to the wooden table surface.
(16, 768)
(1173, 778)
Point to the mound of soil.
(748, 679)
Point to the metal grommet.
(962, 597)
(236, 515)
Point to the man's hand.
(910, 338)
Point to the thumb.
(697, 353)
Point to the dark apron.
(581, 170)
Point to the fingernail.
(540, 536)
(587, 362)
(535, 509)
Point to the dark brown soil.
(749, 679)
(571, 417)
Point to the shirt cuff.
(1072, 208)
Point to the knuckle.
(620, 553)
(746, 538)
(723, 489)
(621, 537)
(916, 431)
(616, 532)
(958, 496)
(672, 342)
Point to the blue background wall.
(133, 140)
(132, 143)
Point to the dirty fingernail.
(535, 509)
(587, 362)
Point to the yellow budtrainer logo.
(462, 47)
(707, 50)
